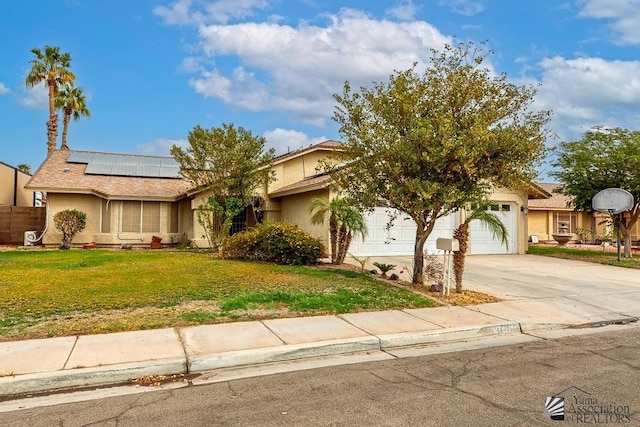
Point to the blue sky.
(153, 69)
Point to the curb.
(204, 363)
(408, 339)
(57, 381)
(88, 377)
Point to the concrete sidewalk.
(96, 360)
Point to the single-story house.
(554, 215)
(130, 198)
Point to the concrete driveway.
(554, 282)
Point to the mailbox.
(447, 244)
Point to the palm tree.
(497, 227)
(52, 67)
(345, 221)
(73, 104)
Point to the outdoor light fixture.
(524, 209)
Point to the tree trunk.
(418, 257)
(462, 235)
(65, 127)
(342, 237)
(343, 246)
(333, 232)
(52, 124)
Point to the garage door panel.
(400, 239)
(482, 240)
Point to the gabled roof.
(557, 201)
(58, 175)
(315, 182)
(327, 145)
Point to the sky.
(154, 69)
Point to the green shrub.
(70, 222)
(274, 242)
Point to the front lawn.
(45, 293)
(585, 254)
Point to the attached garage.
(400, 239)
(481, 239)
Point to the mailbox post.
(448, 246)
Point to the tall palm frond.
(345, 221)
(461, 233)
(72, 102)
(51, 67)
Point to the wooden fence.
(15, 220)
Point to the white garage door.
(399, 239)
(481, 239)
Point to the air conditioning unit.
(30, 238)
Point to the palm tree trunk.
(462, 235)
(343, 246)
(333, 231)
(65, 127)
(52, 124)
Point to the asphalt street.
(597, 374)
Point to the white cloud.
(160, 146)
(3, 89)
(585, 92)
(298, 69)
(224, 10)
(464, 7)
(405, 11)
(36, 98)
(221, 12)
(176, 14)
(286, 140)
(623, 17)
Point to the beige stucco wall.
(296, 210)
(297, 168)
(9, 186)
(541, 223)
(92, 206)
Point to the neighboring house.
(553, 215)
(12, 191)
(20, 209)
(129, 199)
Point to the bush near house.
(69, 222)
(274, 242)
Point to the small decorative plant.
(384, 268)
(361, 261)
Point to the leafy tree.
(23, 167)
(461, 233)
(51, 67)
(70, 222)
(602, 158)
(72, 102)
(428, 143)
(345, 221)
(229, 164)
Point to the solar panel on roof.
(76, 157)
(126, 165)
(98, 169)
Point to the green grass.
(596, 255)
(54, 293)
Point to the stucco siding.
(295, 209)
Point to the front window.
(140, 217)
(565, 222)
